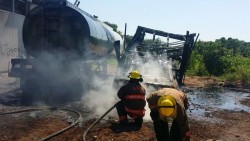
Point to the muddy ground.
(225, 125)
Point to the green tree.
(114, 27)
(227, 58)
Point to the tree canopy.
(228, 58)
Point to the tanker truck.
(62, 44)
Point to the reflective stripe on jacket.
(133, 97)
(135, 113)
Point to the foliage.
(196, 66)
(225, 58)
(128, 39)
(114, 27)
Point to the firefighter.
(133, 101)
(166, 105)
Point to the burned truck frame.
(170, 57)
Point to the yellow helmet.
(167, 106)
(135, 75)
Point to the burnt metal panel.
(6, 5)
(20, 7)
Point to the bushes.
(197, 67)
(242, 74)
(223, 58)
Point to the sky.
(211, 19)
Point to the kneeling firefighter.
(167, 105)
(133, 101)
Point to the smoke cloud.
(155, 69)
(102, 98)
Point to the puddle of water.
(204, 101)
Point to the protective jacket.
(133, 101)
(180, 126)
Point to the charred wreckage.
(162, 64)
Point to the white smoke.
(102, 98)
(154, 69)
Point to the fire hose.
(52, 108)
(64, 129)
(21, 111)
(91, 126)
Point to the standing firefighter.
(133, 101)
(169, 104)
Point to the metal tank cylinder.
(64, 28)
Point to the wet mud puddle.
(205, 101)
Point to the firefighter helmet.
(167, 106)
(135, 75)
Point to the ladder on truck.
(52, 14)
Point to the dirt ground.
(224, 125)
(199, 82)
